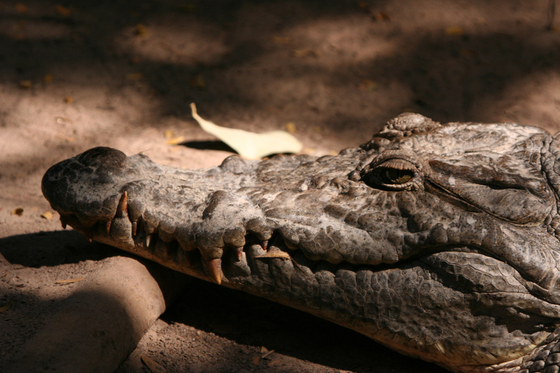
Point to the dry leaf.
(7, 306)
(291, 127)
(264, 349)
(152, 365)
(25, 84)
(17, 211)
(69, 281)
(68, 99)
(454, 31)
(47, 215)
(248, 144)
(63, 11)
(176, 140)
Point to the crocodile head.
(439, 241)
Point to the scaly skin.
(439, 241)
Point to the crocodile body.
(437, 240)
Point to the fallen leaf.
(176, 140)
(7, 306)
(264, 349)
(291, 127)
(69, 281)
(454, 31)
(17, 211)
(62, 10)
(248, 144)
(152, 365)
(25, 84)
(47, 215)
(68, 99)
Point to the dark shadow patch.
(209, 145)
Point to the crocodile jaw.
(273, 230)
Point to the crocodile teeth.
(134, 228)
(148, 240)
(108, 227)
(214, 270)
(123, 206)
(239, 253)
(87, 232)
(265, 245)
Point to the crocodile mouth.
(151, 241)
(259, 248)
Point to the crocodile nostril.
(103, 157)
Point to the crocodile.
(440, 241)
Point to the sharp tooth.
(214, 270)
(265, 245)
(87, 232)
(122, 208)
(148, 240)
(134, 228)
(239, 252)
(108, 227)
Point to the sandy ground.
(76, 74)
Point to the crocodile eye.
(395, 176)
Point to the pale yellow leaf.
(291, 127)
(248, 144)
(47, 215)
(176, 140)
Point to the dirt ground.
(75, 74)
